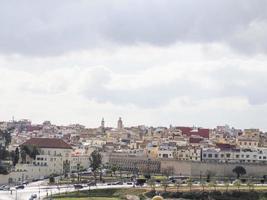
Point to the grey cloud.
(231, 81)
(56, 27)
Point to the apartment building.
(258, 155)
(188, 153)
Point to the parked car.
(91, 183)
(20, 187)
(34, 196)
(4, 187)
(25, 182)
(78, 186)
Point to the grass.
(90, 198)
(99, 194)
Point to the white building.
(56, 157)
(258, 155)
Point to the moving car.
(20, 187)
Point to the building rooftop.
(48, 143)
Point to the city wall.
(188, 168)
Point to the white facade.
(193, 154)
(236, 156)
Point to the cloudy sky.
(151, 62)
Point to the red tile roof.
(48, 143)
(188, 131)
(195, 140)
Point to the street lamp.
(39, 191)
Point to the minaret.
(102, 127)
(120, 124)
(103, 123)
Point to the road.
(42, 191)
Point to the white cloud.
(152, 62)
(201, 89)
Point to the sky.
(152, 62)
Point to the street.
(42, 191)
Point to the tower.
(103, 123)
(120, 124)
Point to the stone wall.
(189, 168)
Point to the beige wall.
(188, 168)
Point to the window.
(222, 155)
(247, 156)
(237, 156)
(228, 155)
(210, 155)
(204, 155)
(216, 155)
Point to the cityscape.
(133, 100)
(38, 152)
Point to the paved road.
(42, 191)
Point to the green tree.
(51, 179)
(66, 167)
(4, 154)
(3, 170)
(34, 152)
(15, 156)
(95, 162)
(239, 171)
(7, 135)
(23, 155)
(114, 168)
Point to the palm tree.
(226, 184)
(189, 184)
(237, 184)
(212, 184)
(164, 184)
(250, 185)
(152, 184)
(203, 184)
(178, 185)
